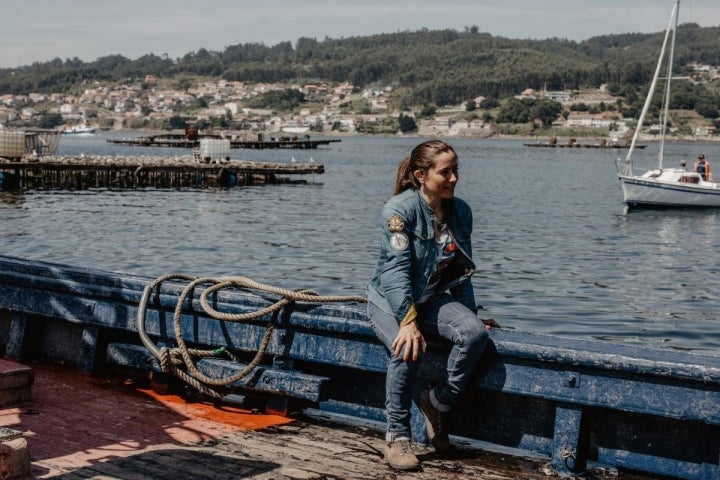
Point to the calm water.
(556, 253)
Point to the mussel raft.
(128, 172)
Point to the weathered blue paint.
(263, 379)
(568, 450)
(573, 400)
(16, 336)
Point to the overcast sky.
(41, 30)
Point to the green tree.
(428, 111)
(546, 111)
(286, 99)
(407, 123)
(50, 120)
(515, 111)
(177, 122)
(489, 102)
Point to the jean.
(441, 317)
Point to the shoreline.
(541, 138)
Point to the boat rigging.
(665, 187)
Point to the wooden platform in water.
(80, 427)
(608, 146)
(183, 141)
(82, 172)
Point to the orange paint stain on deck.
(226, 414)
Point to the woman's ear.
(419, 176)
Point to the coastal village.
(327, 109)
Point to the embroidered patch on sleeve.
(399, 241)
(395, 223)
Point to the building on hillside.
(527, 93)
(705, 131)
(7, 115)
(560, 96)
(67, 109)
(588, 120)
(28, 113)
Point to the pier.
(121, 172)
(581, 145)
(193, 141)
(573, 143)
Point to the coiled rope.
(173, 359)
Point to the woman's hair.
(423, 158)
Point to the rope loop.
(165, 359)
(182, 360)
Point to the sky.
(42, 30)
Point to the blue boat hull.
(574, 401)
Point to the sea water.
(556, 253)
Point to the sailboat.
(665, 187)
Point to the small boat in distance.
(665, 187)
(79, 129)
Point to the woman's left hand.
(490, 323)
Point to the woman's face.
(439, 182)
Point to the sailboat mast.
(653, 86)
(666, 102)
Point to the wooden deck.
(80, 427)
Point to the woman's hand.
(411, 339)
(490, 323)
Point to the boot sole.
(404, 468)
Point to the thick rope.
(181, 360)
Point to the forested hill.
(436, 66)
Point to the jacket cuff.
(409, 317)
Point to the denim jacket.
(408, 252)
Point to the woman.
(421, 286)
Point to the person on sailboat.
(421, 287)
(702, 167)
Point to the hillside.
(426, 71)
(438, 67)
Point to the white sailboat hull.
(665, 187)
(669, 188)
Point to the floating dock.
(121, 172)
(572, 143)
(185, 141)
(581, 145)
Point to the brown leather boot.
(399, 455)
(435, 424)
